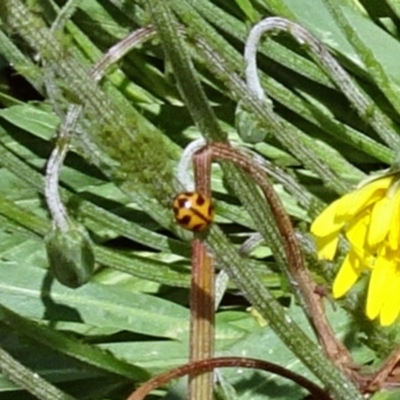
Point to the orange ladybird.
(193, 211)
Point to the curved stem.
(210, 364)
(56, 207)
(183, 174)
(296, 272)
(365, 107)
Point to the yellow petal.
(391, 307)
(327, 222)
(357, 229)
(381, 218)
(379, 279)
(364, 196)
(348, 274)
(394, 232)
(327, 246)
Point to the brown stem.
(201, 295)
(382, 376)
(299, 276)
(242, 362)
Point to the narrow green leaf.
(93, 304)
(32, 119)
(87, 353)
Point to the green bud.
(70, 255)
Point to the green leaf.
(32, 119)
(92, 304)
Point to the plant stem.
(309, 353)
(202, 294)
(202, 320)
(188, 82)
(242, 362)
(292, 262)
(338, 385)
(364, 105)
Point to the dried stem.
(382, 376)
(201, 294)
(298, 275)
(208, 365)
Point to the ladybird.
(193, 211)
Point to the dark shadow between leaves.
(55, 312)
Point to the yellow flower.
(369, 217)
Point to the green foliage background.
(131, 320)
